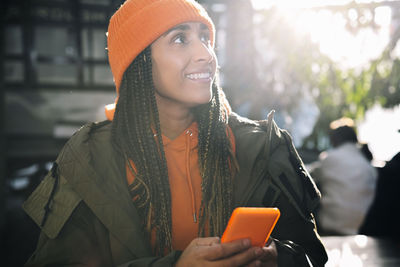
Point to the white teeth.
(195, 76)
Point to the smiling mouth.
(199, 76)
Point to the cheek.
(156, 76)
(164, 78)
(215, 61)
(167, 71)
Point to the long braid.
(215, 166)
(136, 129)
(164, 183)
(133, 131)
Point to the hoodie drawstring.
(189, 177)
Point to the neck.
(173, 121)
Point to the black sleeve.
(297, 241)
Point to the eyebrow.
(183, 27)
(203, 27)
(180, 27)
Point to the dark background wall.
(54, 77)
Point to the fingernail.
(246, 242)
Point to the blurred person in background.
(382, 219)
(346, 179)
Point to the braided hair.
(136, 129)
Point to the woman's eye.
(205, 38)
(179, 39)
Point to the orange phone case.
(253, 223)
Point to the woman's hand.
(209, 251)
(269, 257)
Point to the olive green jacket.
(87, 217)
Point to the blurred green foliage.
(306, 71)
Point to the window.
(56, 44)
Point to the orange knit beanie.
(138, 23)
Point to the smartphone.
(253, 223)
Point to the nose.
(202, 52)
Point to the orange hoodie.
(185, 184)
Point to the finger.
(255, 263)
(249, 256)
(207, 241)
(269, 253)
(219, 251)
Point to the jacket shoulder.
(78, 144)
(90, 130)
(283, 163)
(246, 128)
(53, 201)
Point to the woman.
(156, 183)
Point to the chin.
(204, 100)
(200, 102)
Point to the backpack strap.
(269, 125)
(287, 169)
(299, 167)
